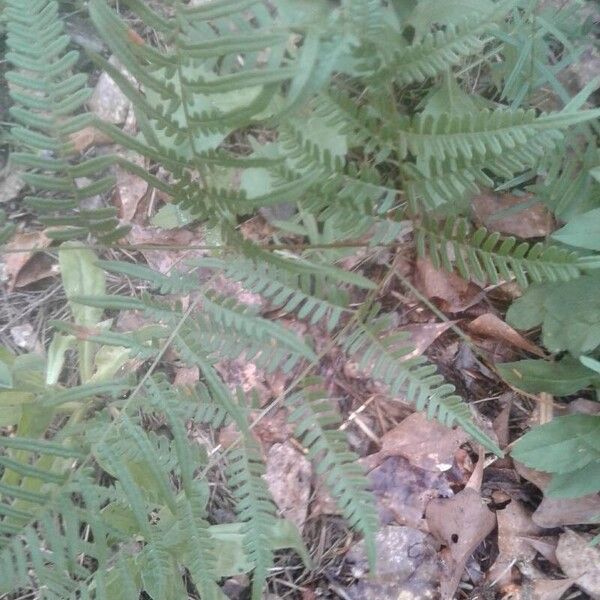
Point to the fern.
(255, 508)
(386, 357)
(360, 142)
(487, 256)
(317, 426)
(47, 97)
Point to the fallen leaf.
(550, 589)
(87, 137)
(580, 560)
(489, 325)
(26, 244)
(425, 443)
(422, 335)
(162, 260)
(557, 512)
(514, 524)
(403, 491)
(513, 215)
(452, 293)
(288, 475)
(584, 407)
(460, 523)
(407, 567)
(128, 192)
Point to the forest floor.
(453, 525)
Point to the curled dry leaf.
(489, 325)
(580, 560)
(426, 444)
(513, 215)
(289, 476)
(452, 293)
(514, 525)
(407, 567)
(20, 251)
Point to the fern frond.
(47, 97)
(490, 257)
(437, 52)
(317, 427)
(386, 357)
(484, 134)
(255, 508)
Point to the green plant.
(370, 129)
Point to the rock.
(407, 567)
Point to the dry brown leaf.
(514, 523)
(531, 221)
(460, 523)
(550, 589)
(159, 259)
(403, 491)
(426, 444)
(15, 262)
(422, 335)
(87, 137)
(489, 325)
(407, 567)
(129, 191)
(452, 293)
(557, 512)
(581, 561)
(289, 475)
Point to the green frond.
(317, 427)
(490, 257)
(438, 51)
(48, 97)
(387, 357)
(255, 508)
(483, 134)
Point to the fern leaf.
(489, 257)
(47, 96)
(317, 426)
(386, 358)
(255, 509)
(484, 134)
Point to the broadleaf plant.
(346, 125)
